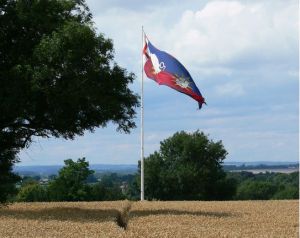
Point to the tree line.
(247, 186)
(188, 166)
(74, 182)
(265, 186)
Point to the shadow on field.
(179, 212)
(62, 214)
(98, 215)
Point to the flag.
(166, 70)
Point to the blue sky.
(244, 57)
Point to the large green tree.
(188, 166)
(57, 75)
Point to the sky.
(243, 56)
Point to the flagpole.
(142, 122)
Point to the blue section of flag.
(171, 65)
(166, 70)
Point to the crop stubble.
(151, 219)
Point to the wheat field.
(151, 219)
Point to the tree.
(71, 184)
(97, 192)
(7, 177)
(187, 167)
(256, 190)
(101, 192)
(32, 192)
(57, 76)
(288, 192)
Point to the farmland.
(151, 219)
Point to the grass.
(151, 219)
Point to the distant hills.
(262, 167)
(53, 169)
(132, 168)
(255, 163)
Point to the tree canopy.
(58, 76)
(71, 184)
(188, 166)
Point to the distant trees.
(32, 192)
(255, 190)
(248, 186)
(108, 189)
(75, 182)
(188, 166)
(101, 192)
(287, 192)
(71, 184)
(266, 186)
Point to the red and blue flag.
(166, 70)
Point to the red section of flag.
(165, 78)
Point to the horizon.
(225, 162)
(247, 70)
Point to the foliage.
(255, 190)
(57, 76)
(187, 167)
(113, 193)
(71, 185)
(100, 192)
(266, 186)
(133, 191)
(32, 192)
(97, 192)
(236, 185)
(287, 192)
(7, 177)
(75, 182)
(29, 180)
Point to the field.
(151, 219)
(258, 171)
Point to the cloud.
(227, 32)
(217, 38)
(230, 89)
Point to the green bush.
(32, 192)
(288, 192)
(255, 190)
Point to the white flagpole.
(142, 121)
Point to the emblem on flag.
(166, 70)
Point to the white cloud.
(224, 32)
(219, 37)
(230, 89)
(294, 74)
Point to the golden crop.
(151, 219)
(74, 219)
